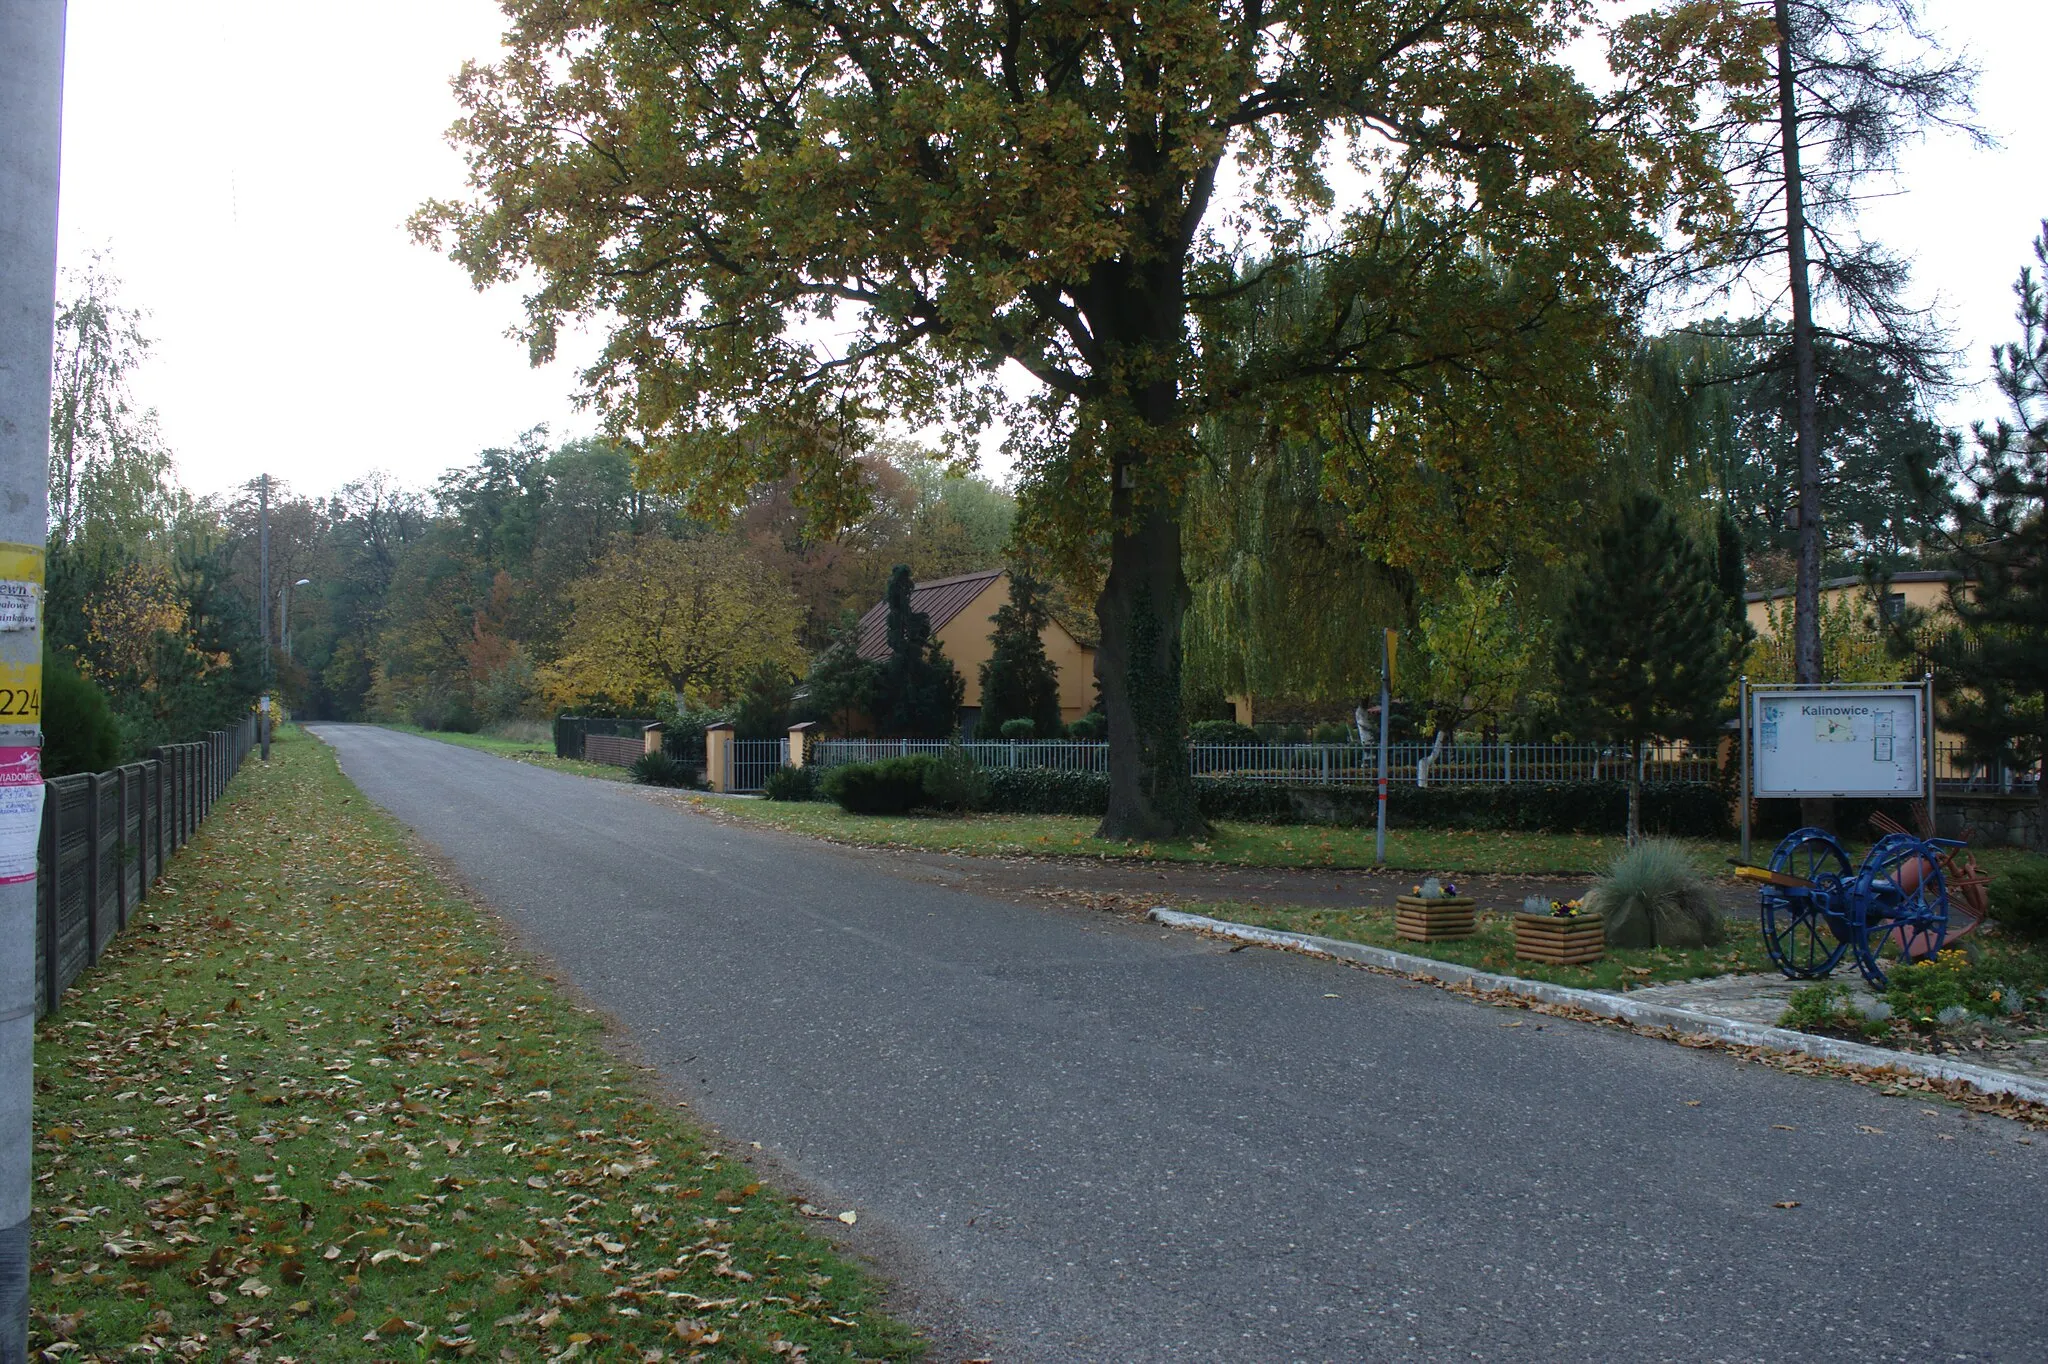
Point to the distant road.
(1092, 1140)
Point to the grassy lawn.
(1492, 948)
(538, 752)
(1248, 845)
(308, 1108)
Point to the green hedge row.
(1693, 809)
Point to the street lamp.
(284, 613)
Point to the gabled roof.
(940, 599)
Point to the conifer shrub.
(890, 786)
(80, 733)
(791, 783)
(2019, 898)
(953, 782)
(661, 768)
(1222, 732)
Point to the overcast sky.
(248, 168)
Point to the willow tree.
(788, 218)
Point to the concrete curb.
(1981, 1078)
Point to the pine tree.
(1992, 666)
(841, 683)
(921, 689)
(1648, 649)
(1019, 682)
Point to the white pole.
(31, 115)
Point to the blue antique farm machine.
(1817, 909)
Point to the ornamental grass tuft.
(1654, 896)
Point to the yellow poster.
(21, 693)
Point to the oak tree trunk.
(1151, 792)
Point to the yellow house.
(1920, 589)
(962, 611)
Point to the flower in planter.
(1566, 909)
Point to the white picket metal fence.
(1320, 764)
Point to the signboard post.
(1872, 740)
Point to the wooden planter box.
(1557, 940)
(1447, 916)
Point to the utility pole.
(31, 114)
(263, 605)
(1379, 839)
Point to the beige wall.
(1920, 595)
(966, 640)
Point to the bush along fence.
(1321, 764)
(108, 835)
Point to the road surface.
(1088, 1139)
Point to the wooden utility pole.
(31, 112)
(263, 605)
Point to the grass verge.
(1492, 948)
(1245, 845)
(540, 754)
(308, 1107)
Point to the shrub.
(1222, 732)
(2019, 898)
(79, 730)
(954, 782)
(1020, 729)
(1091, 728)
(791, 783)
(1654, 896)
(1334, 733)
(1046, 791)
(660, 768)
(1921, 992)
(888, 787)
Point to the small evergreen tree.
(1992, 665)
(763, 711)
(1019, 682)
(1648, 649)
(842, 684)
(921, 690)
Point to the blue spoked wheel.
(1805, 930)
(1898, 907)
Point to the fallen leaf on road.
(1783, 1127)
(1789, 1203)
(1870, 1131)
(849, 1217)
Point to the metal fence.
(108, 835)
(1954, 772)
(1325, 764)
(754, 759)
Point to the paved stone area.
(1764, 999)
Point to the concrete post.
(31, 113)
(718, 756)
(799, 743)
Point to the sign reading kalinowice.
(1837, 743)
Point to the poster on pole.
(1838, 742)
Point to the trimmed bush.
(80, 733)
(791, 783)
(888, 787)
(1091, 728)
(2019, 898)
(659, 768)
(954, 782)
(1653, 896)
(1019, 730)
(1689, 809)
(1222, 732)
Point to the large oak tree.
(792, 217)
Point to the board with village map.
(1837, 743)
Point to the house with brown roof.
(962, 611)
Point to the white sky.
(249, 167)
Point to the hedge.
(1694, 809)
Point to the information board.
(1837, 743)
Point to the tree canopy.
(788, 218)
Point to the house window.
(1891, 607)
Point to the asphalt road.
(1093, 1140)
